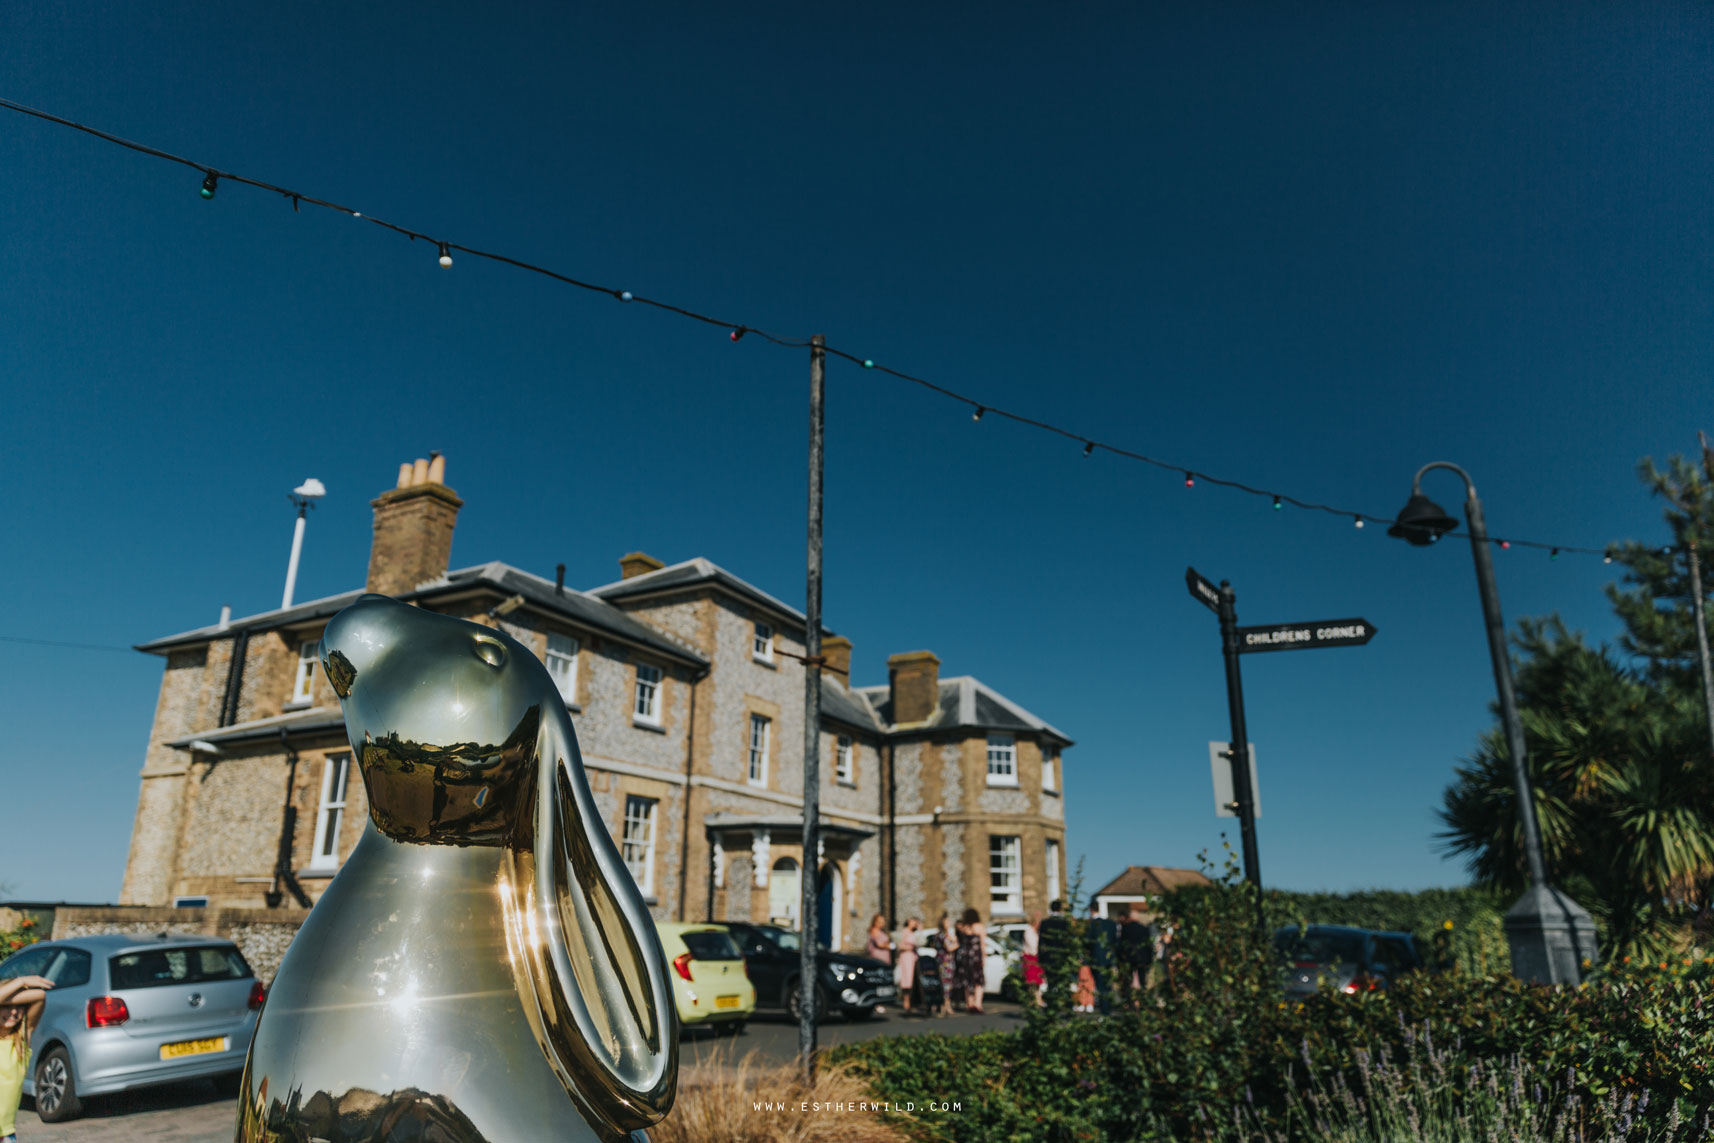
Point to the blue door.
(824, 908)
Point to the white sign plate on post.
(1224, 796)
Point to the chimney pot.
(437, 468)
(913, 681)
(404, 475)
(559, 580)
(419, 471)
(638, 563)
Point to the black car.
(1352, 960)
(854, 986)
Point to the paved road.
(193, 1113)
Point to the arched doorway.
(785, 893)
(829, 902)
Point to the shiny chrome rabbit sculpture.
(482, 969)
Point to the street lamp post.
(1550, 934)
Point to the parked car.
(852, 985)
(711, 984)
(1351, 960)
(128, 1012)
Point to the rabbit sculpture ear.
(584, 949)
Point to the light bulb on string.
(445, 256)
(1189, 480)
(868, 364)
(209, 182)
(1088, 447)
(977, 415)
(1358, 522)
(1607, 557)
(624, 295)
(1277, 504)
(1553, 555)
(738, 334)
(1505, 544)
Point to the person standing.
(1054, 953)
(972, 977)
(905, 970)
(879, 945)
(1034, 980)
(21, 1002)
(947, 936)
(1136, 950)
(1102, 938)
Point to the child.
(21, 1002)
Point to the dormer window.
(1002, 760)
(762, 646)
(303, 686)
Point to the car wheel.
(56, 1091)
(794, 1003)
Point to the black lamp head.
(1422, 521)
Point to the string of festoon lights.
(737, 331)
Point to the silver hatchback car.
(128, 1012)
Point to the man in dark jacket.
(1136, 947)
(1101, 941)
(1053, 950)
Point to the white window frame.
(1005, 874)
(762, 643)
(637, 844)
(757, 773)
(330, 813)
(646, 705)
(1002, 753)
(561, 660)
(1052, 869)
(303, 685)
(1049, 763)
(842, 770)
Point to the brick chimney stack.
(638, 563)
(836, 649)
(413, 528)
(913, 678)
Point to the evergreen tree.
(1618, 747)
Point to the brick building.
(686, 689)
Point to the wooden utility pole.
(810, 867)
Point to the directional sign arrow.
(1201, 589)
(1304, 636)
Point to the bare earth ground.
(193, 1113)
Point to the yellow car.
(711, 984)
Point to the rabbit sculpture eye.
(482, 968)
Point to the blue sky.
(1309, 250)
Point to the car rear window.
(1321, 947)
(710, 945)
(152, 968)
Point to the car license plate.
(726, 1002)
(884, 990)
(193, 1048)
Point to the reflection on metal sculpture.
(482, 969)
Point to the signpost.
(1236, 641)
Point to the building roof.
(1146, 880)
(294, 722)
(842, 704)
(580, 608)
(692, 573)
(966, 703)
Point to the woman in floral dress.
(969, 972)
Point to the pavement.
(193, 1113)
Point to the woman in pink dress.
(879, 946)
(905, 970)
(1035, 980)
